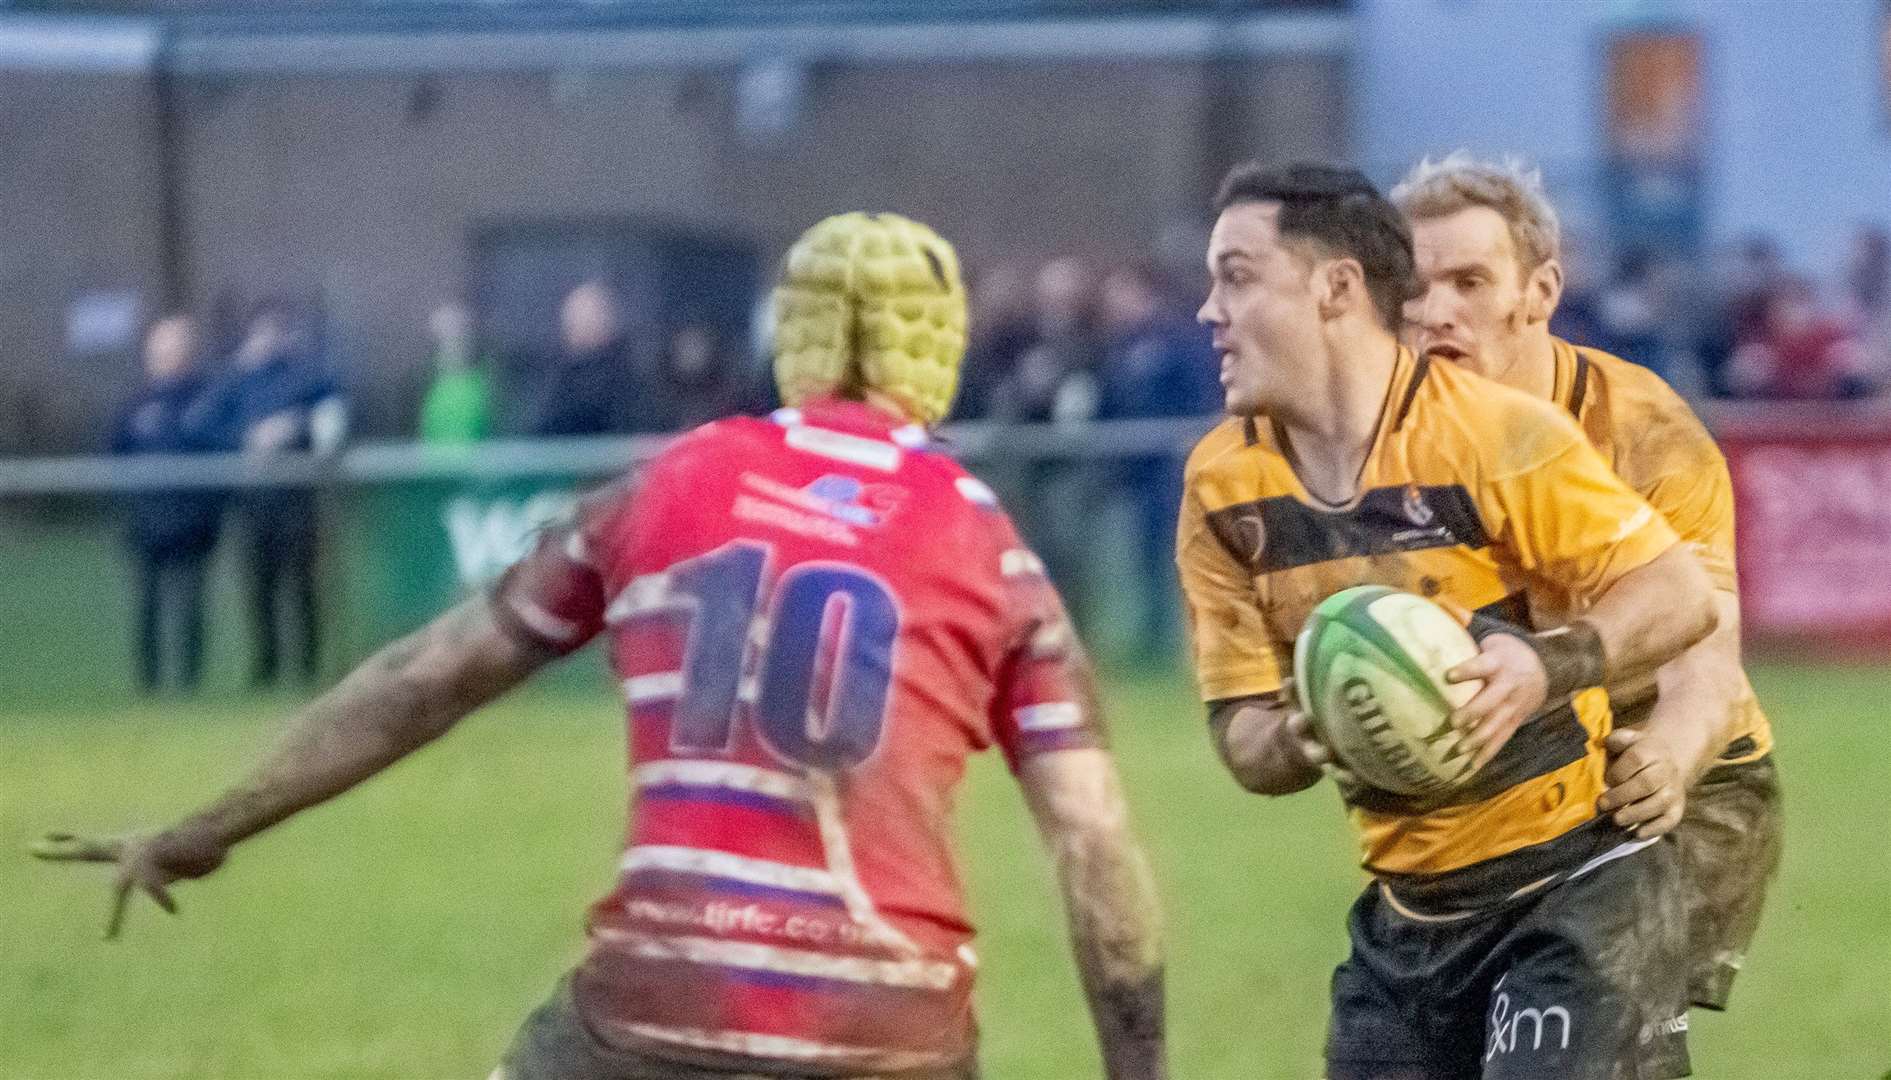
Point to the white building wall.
(1798, 139)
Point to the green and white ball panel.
(1370, 666)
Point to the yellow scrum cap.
(870, 301)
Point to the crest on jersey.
(837, 496)
(1417, 511)
(856, 502)
(1242, 530)
(1254, 531)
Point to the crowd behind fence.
(406, 528)
(1094, 383)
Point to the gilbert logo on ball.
(1369, 668)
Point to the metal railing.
(396, 462)
(981, 442)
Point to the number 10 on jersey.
(822, 626)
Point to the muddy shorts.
(555, 1043)
(1580, 980)
(1729, 841)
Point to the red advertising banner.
(1813, 495)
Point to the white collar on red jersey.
(851, 416)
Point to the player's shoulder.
(1637, 398)
(960, 502)
(1497, 430)
(1465, 392)
(1221, 441)
(1622, 378)
(968, 491)
(711, 446)
(1236, 444)
(1239, 460)
(1649, 430)
(686, 455)
(728, 429)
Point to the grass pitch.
(404, 931)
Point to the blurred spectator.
(1055, 375)
(1578, 314)
(1752, 275)
(1867, 299)
(1741, 277)
(700, 378)
(1798, 353)
(1055, 378)
(1157, 362)
(1684, 326)
(172, 531)
(1002, 328)
(279, 399)
(458, 405)
(590, 385)
(1629, 312)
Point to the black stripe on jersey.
(1281, 532)
(1580, 389)
(1542, 745)
(1493, 881)
(1513, 609)
(1411, 391)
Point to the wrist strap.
(1572, 655)
(1572, 658)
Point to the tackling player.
(1510, 931)
(1488, 247)
(816, 617)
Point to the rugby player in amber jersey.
(816, 618)
(1488, 247)
(1511, 931)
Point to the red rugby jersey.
(816, 618)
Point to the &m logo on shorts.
(1509, 1029)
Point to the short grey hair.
(1511, 187)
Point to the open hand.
(149, 863)
(1515, 688)
(1647, 790)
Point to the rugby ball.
(1369, 670)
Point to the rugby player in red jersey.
(816, 618)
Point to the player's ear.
(1340, 284)
(1543, 290)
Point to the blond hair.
(1512, 188)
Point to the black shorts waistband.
(1493, 881)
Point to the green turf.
(404, 931)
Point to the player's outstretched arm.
(398, 700)
(1645, 619)
(1110, 897)
(1699, 694)
(1652, 614)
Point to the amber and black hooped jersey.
(1650, 437)
(1471, 491)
